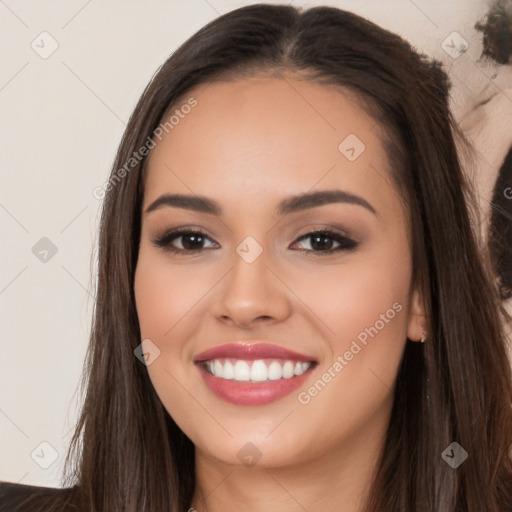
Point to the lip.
(252, 393)
(250, 352)
(258, 393)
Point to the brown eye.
(321, 241)
(191, 241)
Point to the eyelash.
(346, 244)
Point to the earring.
(424, 337)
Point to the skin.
(248, 144)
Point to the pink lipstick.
(253, 374)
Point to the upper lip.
(251, 351)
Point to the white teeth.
(259, 371)
(275, 371)
(242, 371)
(288, 370)
(256, 371)
(228, 371)
(218, 369)
(300, 368)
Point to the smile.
(254, 373)
(259, 370)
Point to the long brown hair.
(128, 455)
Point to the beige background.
(62, 118)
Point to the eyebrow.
(289, 205)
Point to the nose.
(251, 294)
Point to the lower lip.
(248, 393)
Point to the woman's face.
(257, 282)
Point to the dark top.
(31, 498)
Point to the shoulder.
(23, 498)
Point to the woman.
(284, 225)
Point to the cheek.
(166, 293)
(165, 297)
(365, 305)
(365, 290)
(366, 298)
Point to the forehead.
(268, 135)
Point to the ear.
(417, 319)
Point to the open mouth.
(255, 373)
(259, 370)
(254, 382)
